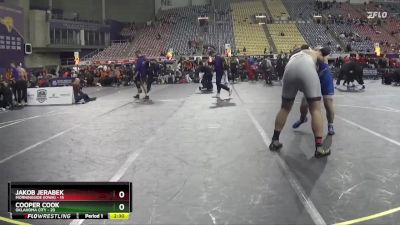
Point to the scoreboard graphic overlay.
(70, 200)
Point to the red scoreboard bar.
(70, 200)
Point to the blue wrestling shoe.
(299, 122)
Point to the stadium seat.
(247, 34)
(316, 34)
(292, 37)
(277, 9)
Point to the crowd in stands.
(318, 35)
(353, 19)
(176, 29)
(343, 27)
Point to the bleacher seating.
(277, 9)
(378, 35)
(186, 28)
(116, 51)
(353, 18)
(316, 34)
(233, 22)
(392, 8)
(128, 31)
(247, 33)
(349, 11)
(300, 9)
(147, 42)
(359, 43)
(222, 30)
(382, 32)
(392, 24)
(292, 37)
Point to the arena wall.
(37, 60)
(200, 2)
(128, 11)
(87, 9)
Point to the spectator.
(5, 96)
(15, 77)
(79, 94)
(21, 86)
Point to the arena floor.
(195, 160)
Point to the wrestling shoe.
(136, 96)
(275, 146)
(299, 122)
(331, 130)
(216, 96)
(320, 152)
(147, 98)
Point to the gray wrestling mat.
(356, 89)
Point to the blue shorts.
(326, 80)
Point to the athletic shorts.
(301, 75)
(326, 80)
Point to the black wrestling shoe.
(321, 152)
(136, 96)
(147, 98)
(275, 146)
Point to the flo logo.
(41, 95)
(381, 15)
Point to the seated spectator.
(6, 101)
(106, 79)
(89, 78)
(79, 94)
(43, 79)
(32, 80)
(396, 77)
